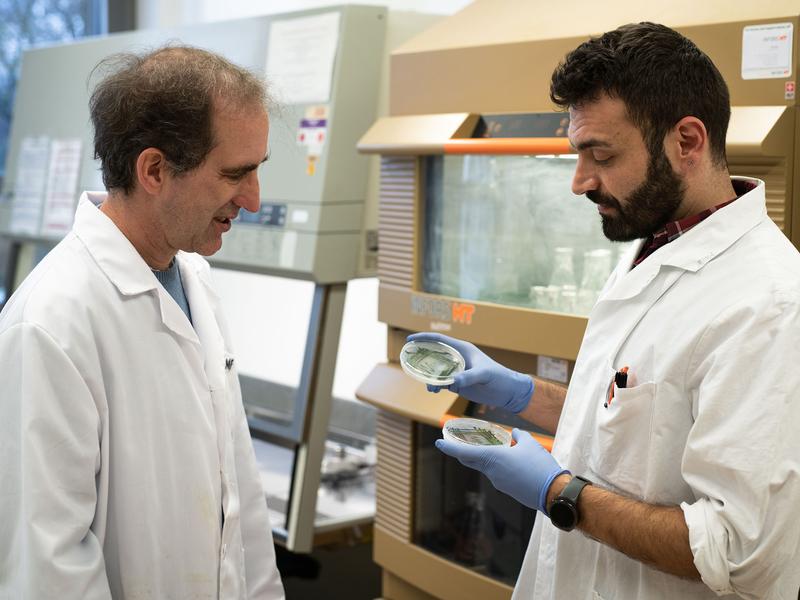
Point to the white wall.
(170, 13)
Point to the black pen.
(621, 378)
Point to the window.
(28, 23)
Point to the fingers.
(468, 378)
(447, 447)
(465, 453)
(433, 388)
(524, 438)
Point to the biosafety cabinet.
(481, 238)
(314, 232)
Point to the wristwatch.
(564, 509)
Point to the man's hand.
(484, 381)
(523, 471)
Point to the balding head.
(165, 99)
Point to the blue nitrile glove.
(483, 381)
(524, 471)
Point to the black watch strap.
(574, 488)
(564, 512)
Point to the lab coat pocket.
(619, 450)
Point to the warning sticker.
(313, 130)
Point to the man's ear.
(151, 170)
(689, 143)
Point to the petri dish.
(475, 432)
(434, 363)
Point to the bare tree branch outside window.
(25, 24)
(28, 23)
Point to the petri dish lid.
(475, 432)
(435, 363)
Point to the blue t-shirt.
(171, 280)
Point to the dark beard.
(648, 208)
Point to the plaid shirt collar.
(675, 229)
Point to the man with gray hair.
(127, 465)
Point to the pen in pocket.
(621, 381)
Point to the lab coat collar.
(122, 264)
(113, 252)
(719, 231)
(204, 301)
(692, 250)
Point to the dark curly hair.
(660, 75)
(164, 99)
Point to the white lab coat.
(122, 435)
(709, 326)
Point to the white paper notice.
(767, 51)
(62, 184)
(288, 249)
(554, 369)
(300, 57)
(26, 209)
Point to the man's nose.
(585, 178)
(249, 196)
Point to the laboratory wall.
(169, 13)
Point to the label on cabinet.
(554, 369)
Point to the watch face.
(563, 514)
